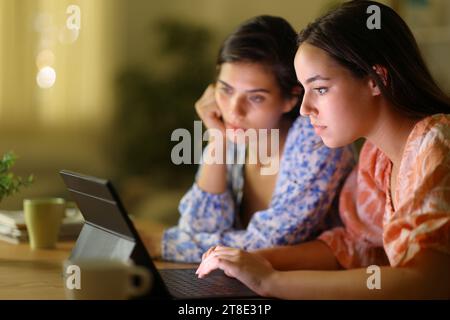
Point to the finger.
(227, 250)
(222, 248)
(211, 88)
(212, 263)
(229, 267)
(217, 112)
(209, 92)
(206, 255)
(204, 264)
(210, 250)
(227, 273)
(208, 266)
(211, 116)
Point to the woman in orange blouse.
(395, 206)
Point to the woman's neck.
(390, 133)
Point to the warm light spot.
(46, 77)
(42, 22)
(45, 58)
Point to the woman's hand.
(208, 110)
(249, 268)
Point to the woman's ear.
(384, 76)
(293, 100)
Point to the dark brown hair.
(270, 41)
(343, 33)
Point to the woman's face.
(249, 97)
(340, 106)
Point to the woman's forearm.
(312, 255)
(428, 278)
(213, 176)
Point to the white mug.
(104, 280)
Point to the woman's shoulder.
(431, 130)
(439, 120)
(428, 145)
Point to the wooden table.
(37, 274)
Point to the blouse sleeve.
(204, 217)
(201, 211)
(309, 177)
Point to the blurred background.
(98, 86)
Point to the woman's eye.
(321, 90)
(226, 90)
(257, 99)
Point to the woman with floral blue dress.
(235, 203)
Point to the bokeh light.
(46, 77)
(45, 58)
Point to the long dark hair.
(270, 41)
(343, 33)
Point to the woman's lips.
(233, 127)
(319, 129)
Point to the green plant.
(9, 182)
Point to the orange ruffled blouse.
(422, 217)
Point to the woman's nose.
(237, 107)
(305, 108)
